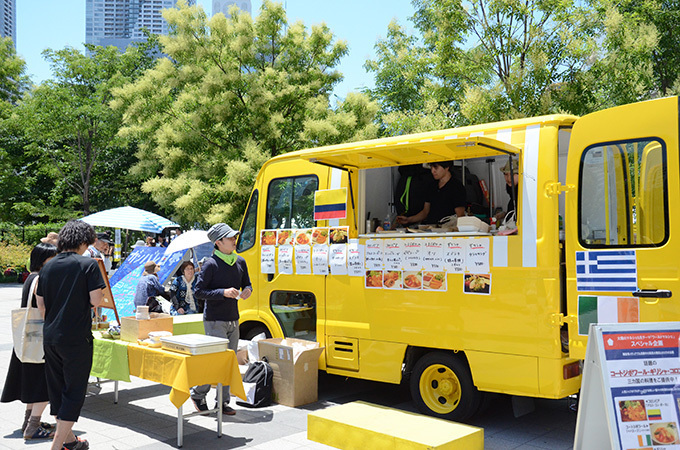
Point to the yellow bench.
(361, 425)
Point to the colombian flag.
(330, 204)
(654, 414)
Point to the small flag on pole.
(606, 271)
(330, 204)
(599, 309)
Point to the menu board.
(433, 255)
(268, 259)
(477, 255)
(320, 259)
(286, 259)
(413, 254)
(632, 378)
(355, 258)
(454, 255)
(393, 249)
(303, 259)
(374, 254)
(338, 259)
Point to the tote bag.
(27, 331)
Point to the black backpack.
(260, 373)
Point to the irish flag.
(330, 204)
(602, 309)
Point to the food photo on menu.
(320, 236)
(665, 433)
(477, 283)
(303, 237)
(434, 281)
(339, 235)
(392, 279)
(632, 410)
(285, 237)
(268, 237)
(374, 278)
(413, 280)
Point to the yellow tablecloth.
(181, 372)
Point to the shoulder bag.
(27, 331)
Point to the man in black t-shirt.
(446, 198)
(69, 286)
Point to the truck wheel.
(254, 331)
(441, 386)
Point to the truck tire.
(254, 331)
(441, 386)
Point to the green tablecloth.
(188, 324)
(110, 359)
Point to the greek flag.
(606, 271)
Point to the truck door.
(621, 205)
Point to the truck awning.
(375, 154)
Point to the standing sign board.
(629, 398)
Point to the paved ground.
(144, 418)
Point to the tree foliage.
(71, 131)
(232, 93)
(485, 60)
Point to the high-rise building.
(222, 6)
(8, 19)
(120, 22)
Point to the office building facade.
(222, 6)
(120, 22)
(8, 19)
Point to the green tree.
(478, 61)
(71, 130)
(13, 163)
(231, 94)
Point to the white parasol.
(188, 239)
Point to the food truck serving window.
(623, 198)
(290, 202)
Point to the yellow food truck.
(460, 312)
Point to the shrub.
(13, 259)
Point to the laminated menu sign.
(392, 254)
(433, 255)
(634, 369)
(477, 255)
(374, 254)
(338, 259)
(355, 259)
(303, 259)
(454, 255)
(268, 259)
(286, 259)
(413, 254)
(320, 259)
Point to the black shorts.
(67, 369)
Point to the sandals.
(41, 433)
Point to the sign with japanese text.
(303, 259)
(454, 255)
(637, 368)
(286, 259)
(393, 251)
(355, 258)
(268, 259)
(338, 259)
(320, 259)
(433, 255)
(413, 254)
(477, 255)
(374, 254)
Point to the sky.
(53, 24)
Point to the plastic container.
(194, 344)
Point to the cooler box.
(194, 344)
(132, 329)
(295, 363)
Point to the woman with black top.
(26, 382)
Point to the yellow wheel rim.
(440, 389)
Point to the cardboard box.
(132, 329)
(295, 363)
